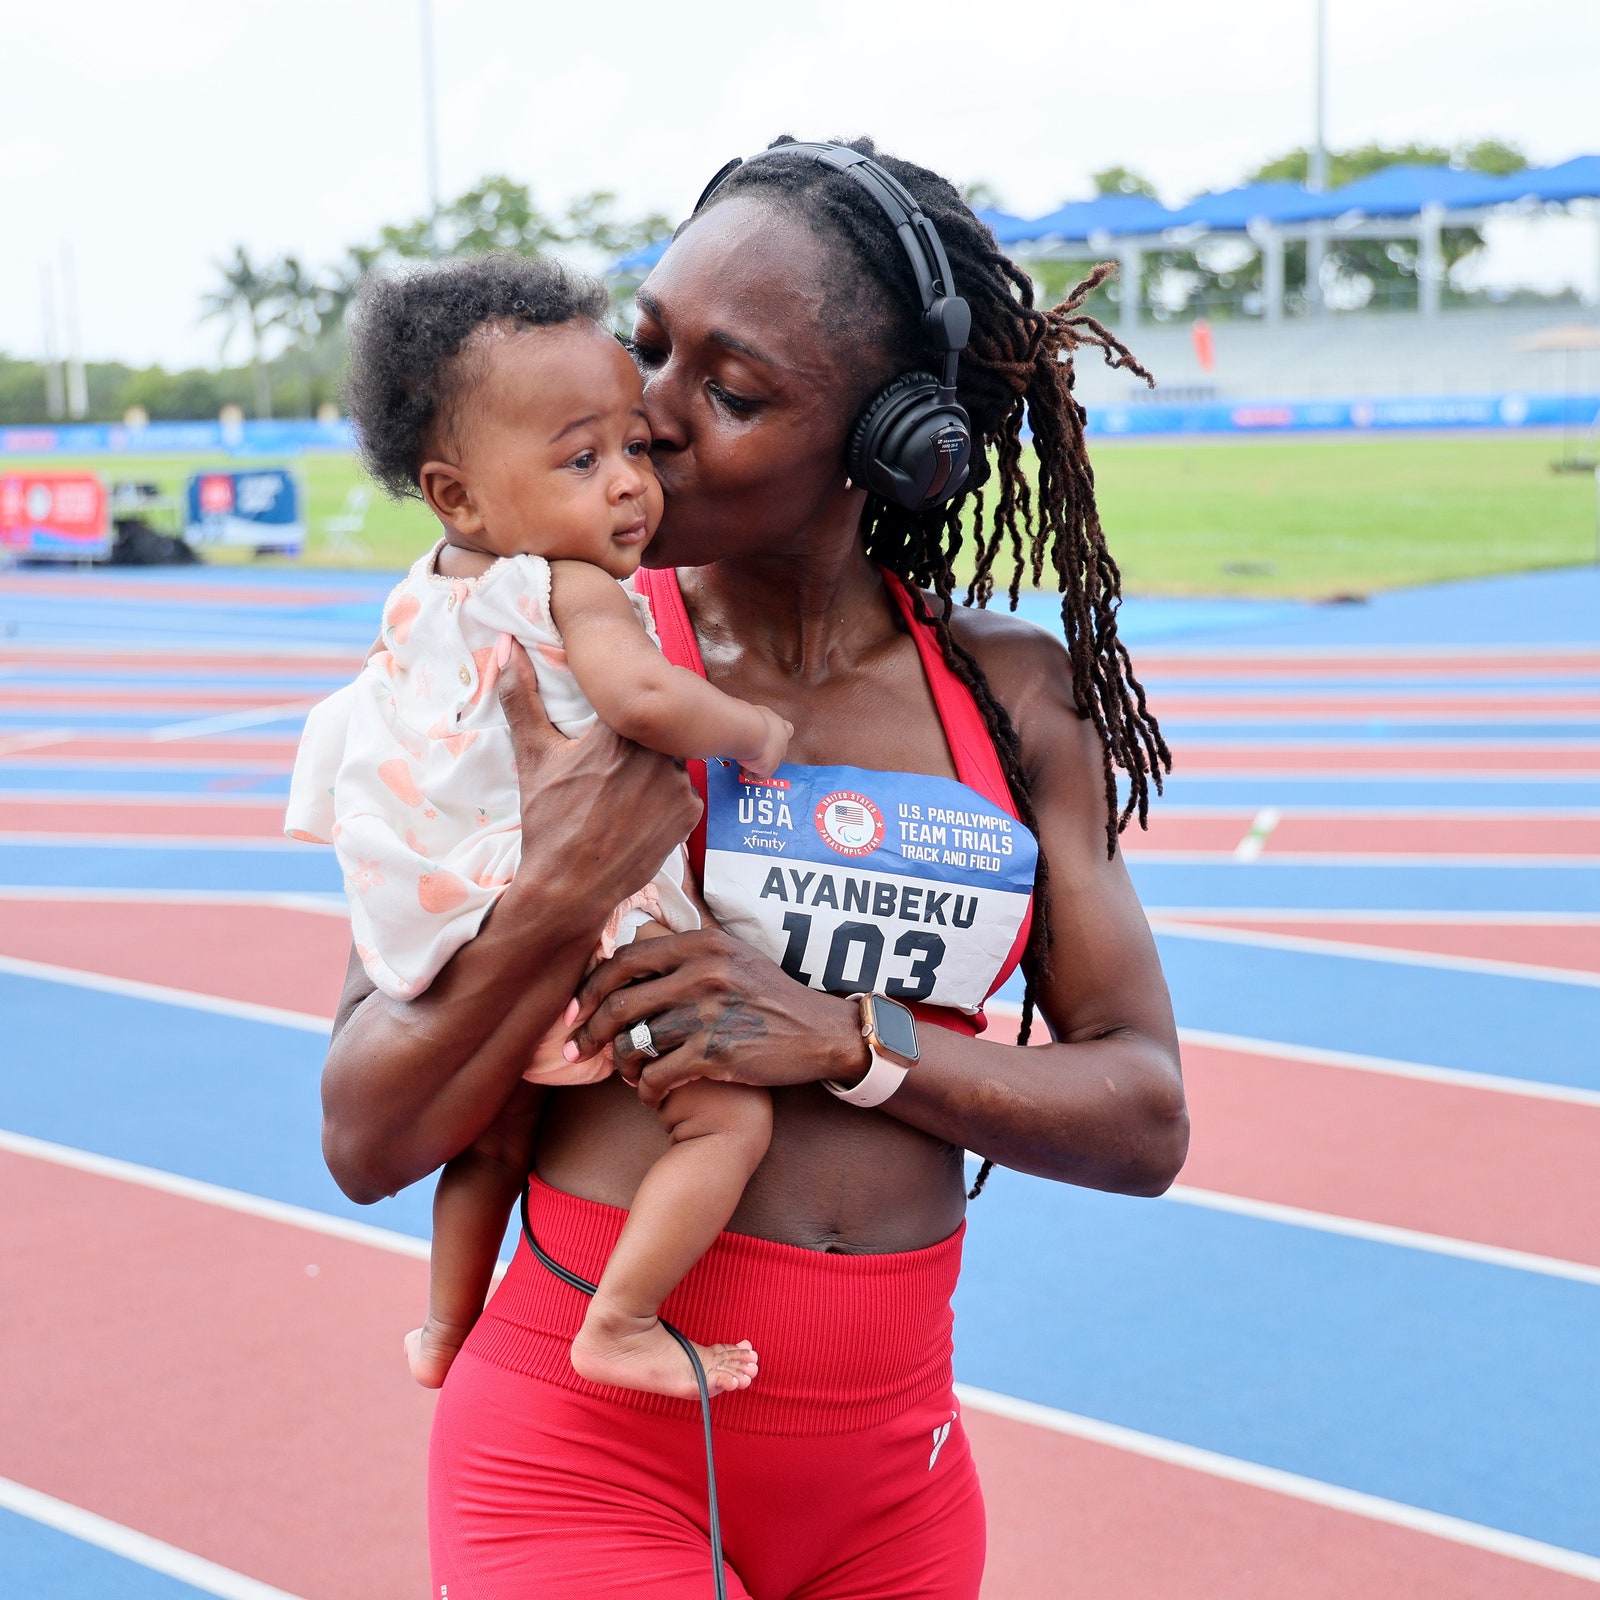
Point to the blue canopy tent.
(1236, 210)
(1577, 179)
(1401, 200)
(642, 260)
(1114, 215)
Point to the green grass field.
(1275, 517)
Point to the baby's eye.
(638, 447)
(583, 462)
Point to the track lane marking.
(328, 905)
(214, 1194)
(154, 841)
(230, 722)
(131, 1545)
(1356, 858)
(1386, 1234)
(1390, 955)
(1316, 1055)
(1375, 1508)
(1209, 1462)
(132, 989)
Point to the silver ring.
(639, 1037)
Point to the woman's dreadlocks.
(1017, 366)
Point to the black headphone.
(913, 442)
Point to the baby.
(490, 388)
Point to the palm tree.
(247, 298)
(298, 306)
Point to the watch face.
(895, 1027)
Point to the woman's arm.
(643, 696)
(1102, 1107)
(407, 1084)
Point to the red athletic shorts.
(843, 1472)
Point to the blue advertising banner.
(1498, 411)
(257, 510)
(175, 438)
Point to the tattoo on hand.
(737, 1023)
(676, 1027)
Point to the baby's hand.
(774, 747)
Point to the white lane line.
(1354, 772)
(1390, 956)
(159, 797)
(131, 1545)
(1494, 1083)
(229, 721)
(199, 650)
(1456, 1530)
(1352, 858)
(1159, 1449)
(1377, 915)
(326, 905)
(155, 841)
(213, 1194)
(1382, 1233)
(1384, 1066)
(129, 988)
(17, 743)
(1533, 815)
(1254, 842)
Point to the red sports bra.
(927, 855)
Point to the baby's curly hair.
(407, 335)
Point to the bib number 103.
(855, 954)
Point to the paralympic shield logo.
(849, 823)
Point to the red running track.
(47, 747)
(1544, 833)
(1489, 663)
(232, 819)
(1351, 760)
(1497, 1169)
(291, 1447)
(1574, 946)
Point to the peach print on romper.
(409, 774)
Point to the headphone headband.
(913, 443)
(946, 317)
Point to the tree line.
(286, 320)
(289, 320)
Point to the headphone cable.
(583, 1286)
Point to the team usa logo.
(849, 823)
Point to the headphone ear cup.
(908, 446)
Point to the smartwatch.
(891, 1034)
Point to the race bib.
(856, 881)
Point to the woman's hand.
(609, 810)
(717, 1008)
(408, 1084)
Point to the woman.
(780, 309)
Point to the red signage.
(54, 514)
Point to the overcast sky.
(151, 137)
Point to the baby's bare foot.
(631, 1352)
(430, 1349)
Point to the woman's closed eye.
(647, 355)
(739, 405)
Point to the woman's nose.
(663, 408)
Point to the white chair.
(341, 533)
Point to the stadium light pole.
(1317, 162)
(430, 119)
(55, 397)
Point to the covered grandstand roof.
(1400, 191)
